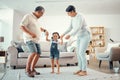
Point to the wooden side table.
(3, 58)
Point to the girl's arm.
(61, 42)
(46, 33)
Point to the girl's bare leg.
(58, 66)
(52, 65)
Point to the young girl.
(54, 52)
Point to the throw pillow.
(71, 49)
(25, 48)
(18, 45)
(19, 49)
(45, 46)
(63, 47)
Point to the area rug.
(66, 74)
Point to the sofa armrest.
(12, 55)
(115, 54)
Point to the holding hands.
(66, 37)
(44, 30)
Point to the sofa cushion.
(67, 54)
(25, 48)
(19, 49)
(47, 54)
(18, 45)
(25, 55)
(71, 49)
(45, 46)
(63, 47)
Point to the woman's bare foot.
(82, 73)
(58, 73)
(52, 72)
(77, 72)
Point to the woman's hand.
(62, 36)
(67, 37)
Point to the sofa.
(18, 53)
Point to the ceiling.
(57, 7)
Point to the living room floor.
(94, 64)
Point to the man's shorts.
(33, 47)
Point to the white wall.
(54, 23)
(60, 23)
(110, 22)
(6, 17)
(0, 27)
(17, 17)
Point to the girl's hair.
(57, 34)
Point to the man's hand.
(67, 37)
(28, 32)
(47, 33)
(42, 29)
(33, 35)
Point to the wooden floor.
(93, 64)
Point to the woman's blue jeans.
(82, 45)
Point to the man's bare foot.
(35, 72)
(77, 72)
(82, 73)
(29, 74)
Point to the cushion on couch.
(19, 49)
(71, 49)
(47, 54)
(63, 47)
(18, 45)
(45, 46)
(25, 48)
(25, 55)
(67, 54)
